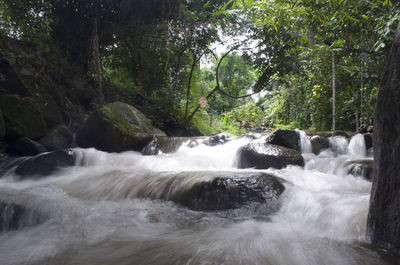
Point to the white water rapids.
(105, 210)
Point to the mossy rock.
(117, 127)
(22, 116)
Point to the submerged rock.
(218, 139)
(263, 156)
(361, 168)
(233, 190)
(13, 217)
(45, 164)
(318, 143)
(286, 138)
(117, 127)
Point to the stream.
(107, 210)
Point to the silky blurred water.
(108, 209)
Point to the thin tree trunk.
(333, 92)
(194, 62)
(94, 64)
(217, 87)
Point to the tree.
(383, 225)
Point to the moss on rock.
(117, 127)
(22, 117)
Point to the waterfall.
(305, 143)
(357, 146)
(118, 208)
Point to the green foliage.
(154, 48)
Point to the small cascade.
(338, 144)
(305, 143)
(357, 146)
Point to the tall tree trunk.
(189, 85)
(383, 226)
(333, 92)
(94, 61)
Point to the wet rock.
(22, 116)
(286, 138)
(233, 190)
(263, 156)
(340, 133)
(45, 164)
(59, 138)
(13, 217)
(218, 139)
(368, 138)
(318, 143)
(167, 145)
(26, 147)
(361, 168)
(117, 127)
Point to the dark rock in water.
(368, 138)
(361, 168)
(363, 128)
(218, 139)
(45, 164)
(263, 156)
(26, 147)
(233, 190)
(117, 127)
(59, 138)
(383, 226)
(22, 116)
(340, 133)
(167, 144)
(318, 143)
(286, 138)
(13, 217)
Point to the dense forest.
(222, 65)
(199, 132)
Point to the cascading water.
(110, 209)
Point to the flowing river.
(106, 210)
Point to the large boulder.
(286, 138)
(233, 190)
(45, 164)
(117, 127)
(318, 143)
(22, 116)
(263, 156)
